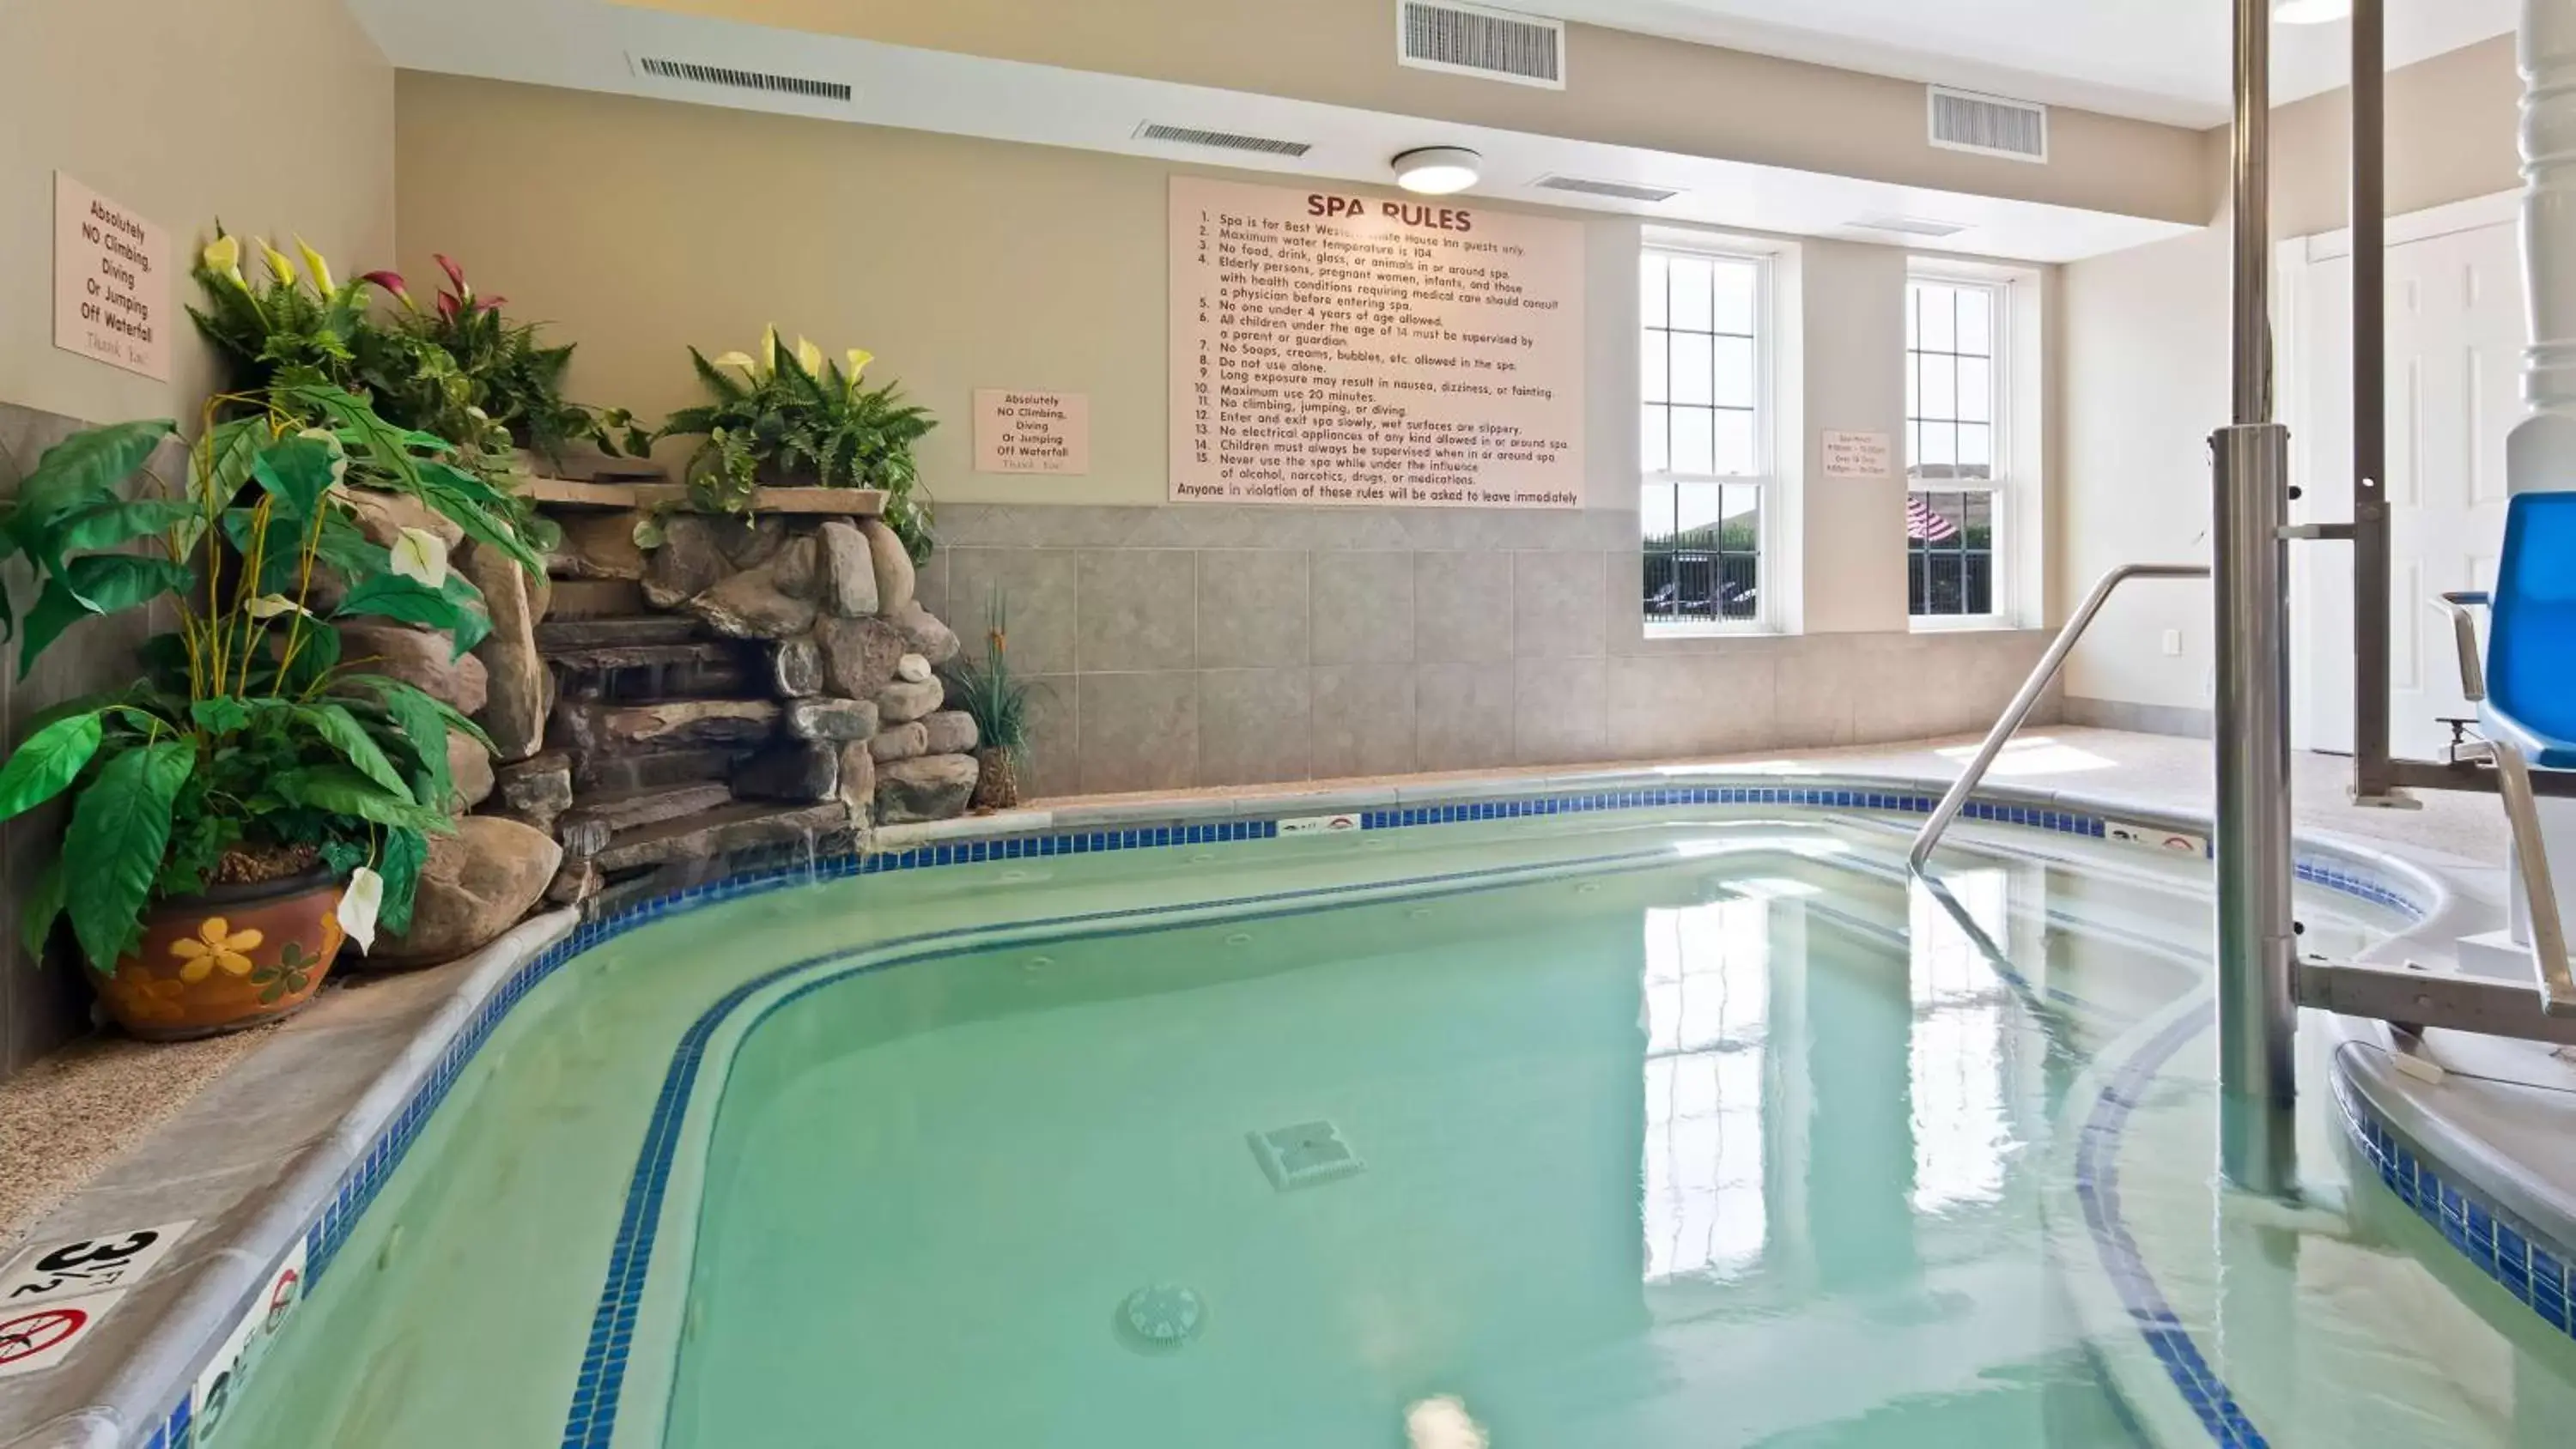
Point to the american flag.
(1924, 525)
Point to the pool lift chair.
(2525, 693)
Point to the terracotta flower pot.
(233, 957)
(997, 782)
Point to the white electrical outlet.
(2173, 643)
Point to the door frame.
(2292, 259)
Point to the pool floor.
(1703, 1154)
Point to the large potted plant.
(253, 798)
(794, 417)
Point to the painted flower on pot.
(152, 1000)
(215, 944)
(289, 977)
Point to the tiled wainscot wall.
(1202, 645)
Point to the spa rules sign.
(1335, 348)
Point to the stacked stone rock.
(480, 880)
(852, 656)
(742, 684)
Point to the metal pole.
(2252, 155)
(2373, 779)
(2257, 1073)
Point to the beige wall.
(277, 116)
(2146, 355)
(2451, 135)
(1194, 644)
(1621, 88)
(966, 264)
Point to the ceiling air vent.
(1989, 125)
(1622, 190)
(1473, 40)
(744, 80)
(1909, 226)
(1221, 140)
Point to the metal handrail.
(2522, 817)
(2464, 632)
(2031, 689)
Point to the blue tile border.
(2097, 1188)
(2538, 1271)
(757, 872)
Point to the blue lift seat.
(2531, 641)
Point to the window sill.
(1747, 630)
(1964, 624)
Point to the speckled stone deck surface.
(63, 1121)
(64, 1118)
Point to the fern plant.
(786, 413)
(499, 376)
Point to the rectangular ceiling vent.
(1910, 226)
(1220, 140)
(744, 80)
(1621, 190)
(1989, 125)
(1475, 40)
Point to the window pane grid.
(1701, 437)
(1951, 416)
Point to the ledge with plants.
(254, 798)
(791, 418)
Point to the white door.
(2455, 342)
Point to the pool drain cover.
(1304, 1155)
(1164, 1315)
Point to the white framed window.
(1959, 507)
(1705, 438)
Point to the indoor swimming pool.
(1695, 1125)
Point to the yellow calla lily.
(222, 257)
(809, 356)
(859, 358)
(738, 359)
(278, 264)
(768, 348)
(314, 264)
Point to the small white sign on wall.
(1032, 432)
(111, 282)
(1859, 455)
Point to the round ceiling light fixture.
(2310, 12)
(1437, 170)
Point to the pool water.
(1700, 1130)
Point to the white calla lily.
(269, 606)
(421, 556)
(360, 899)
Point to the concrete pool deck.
(64, 1121)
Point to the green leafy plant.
(990, 694)
(458, 374)
(249, 749)
(785, 413)
(504, 376)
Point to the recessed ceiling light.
(2310, 12)
(1437, 170)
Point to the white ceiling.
(588, 45)
(2163, 60)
